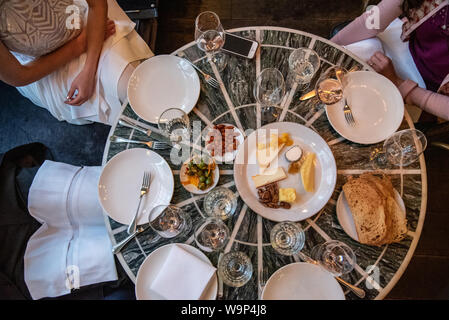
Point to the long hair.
(407, 5)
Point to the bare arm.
(17, 75)
(84, 83)
(357, 30)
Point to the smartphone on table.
(240, 46)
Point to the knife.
(312, 93)
(119, 246)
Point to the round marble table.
(378, 268)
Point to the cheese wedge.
(266, 155)
(308, 172)
(261, 180)
(287, 195)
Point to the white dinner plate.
(190, 187)
(160, 83)
(377, 107)
(153, 263)
(121, 180)
(307, 203)
(346, 220)
(302, 281)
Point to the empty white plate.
(308, 203)
(377, 107)
(302, 281)
(160, 83)
(121, 180)
(150, 267)
(344, 214)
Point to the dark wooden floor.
(427, 276)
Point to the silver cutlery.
(156, 145)
(128, 124)
(146, 180)
(348, 114)
(119, 246)
(358, 291)
(209, 79)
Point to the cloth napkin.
(72, 247)
(183, 276)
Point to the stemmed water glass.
(287, 238)
(210, 37)
(269, 90)
(334, 256)
(235, 268)
(400, 149)
(175, 124)
(169, 221)
(211, 234)
(303, 65)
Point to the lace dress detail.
(37, 27)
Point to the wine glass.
(330, 87)
(169, 221)
(269, 90)
(175, 124)
(400, 149)
(210, 37)
(235, 269)
(211, 234)
(221, 203)
(287, 238)
(303, 64)
(334, 256)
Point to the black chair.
(144, 13)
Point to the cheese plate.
(248, 173)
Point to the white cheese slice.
(261, 180)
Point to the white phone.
(240, 46)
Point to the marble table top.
(378, 268)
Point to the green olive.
(202, 186)
(202, 178)
(209, 181)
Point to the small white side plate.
(302, 281)
(190, 187)
(121, 180)
(160, 83)
(377, 107)
(154, 262)
(344, 214)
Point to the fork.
(143, 191)
(348, 114)
(209, 79)
(156, 145)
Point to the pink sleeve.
(434, 103)
(357, 30)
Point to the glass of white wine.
(269, 91)
(330, 87)
(211, 234)
(210, 38)
(303, 64)
(170, 221)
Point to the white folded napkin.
(72, 247)
(182, 276)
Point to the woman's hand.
(383, 65)
(83, 85)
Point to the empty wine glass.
(287, 238)
(235, 268)
(211, 234)
(334, 256)
(221, 203)
(303, 64)
(169, 221)
(269, 90)
(175, 124)
(210, 37)
(400, 149)
(330, 87)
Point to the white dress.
(34, 28)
